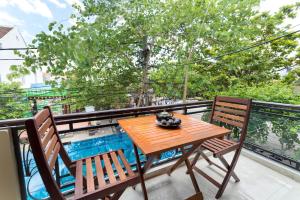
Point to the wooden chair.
(235, 113)
(109, 178)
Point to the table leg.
(147, 165)
(138, 164)
(191, 173)
(183, 158)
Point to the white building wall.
(13, 39)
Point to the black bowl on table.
(166, 120)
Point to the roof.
(4, 30)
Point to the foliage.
(287, 132)
(292, 76)
(102, 55)
(117, 46)
(275, 91)
(213, 28)
(12, 102)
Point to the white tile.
(257, 183)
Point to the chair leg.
(205, 157)
(196, 158)
(200, 153)
(138, 163)
(229, 173)
(225, 163)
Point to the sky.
(33, 16)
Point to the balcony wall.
(9, 183)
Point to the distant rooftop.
(40, 85)
(4, 30)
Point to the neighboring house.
(10, 37)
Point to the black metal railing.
(15, 126)
(266, 135)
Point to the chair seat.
(219, 146)
(111, 173)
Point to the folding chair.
(108, 181)
(232, 112)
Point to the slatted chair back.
(46, 146)
(232, 111)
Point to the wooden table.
(153, 140)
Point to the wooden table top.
(152, 139)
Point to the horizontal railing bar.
(200, 111)
(279, 115)
(200, 106)
(88, 128)
(112, 116)
(291, 106)
(126, 110)
(275, 108)
(15, 122)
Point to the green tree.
(119, 47)
(287, 131)
(213, 28)
(273, 91)
(13, 103)
(105, 56)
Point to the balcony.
(268, 167)
(257, 182)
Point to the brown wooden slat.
(227, 121)
(79, 179)
(222, 142)
(54, 156)
(207, 177)
(229, 116)
(228, 149)
(210, 147)
(89, 175)
(228, 142)
(50, 146)
(109, 169)
(232, 111)
(41, 116)
(232, 105)
(47, 137)
(99, 171)
(232, 100)
(216, 144)
(118, 166)
(126, 164)
(45, 126)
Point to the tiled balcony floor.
(257, 183)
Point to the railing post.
(185, 110)
(71, 126)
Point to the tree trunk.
(146, 54)
(186, 77)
